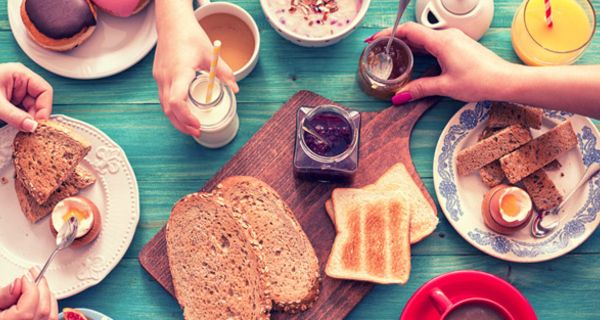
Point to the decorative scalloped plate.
(23, 245)
(460, 197)
(116, 44)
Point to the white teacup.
(208, 8)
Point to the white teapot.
(473, 17)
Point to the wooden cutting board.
(268, 156)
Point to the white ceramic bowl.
(208, 8)
(314, 42)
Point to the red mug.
(446, 307)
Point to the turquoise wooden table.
(169, 165)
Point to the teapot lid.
(459, 7)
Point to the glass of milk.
(219, 122)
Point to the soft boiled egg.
(506, 209)
(78, 207)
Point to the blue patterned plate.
(460, 197)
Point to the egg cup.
(94, 231)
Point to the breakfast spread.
(370, 80)
(327, 140)
(218, 117)
(47, 165)
(375, 227)
(314, 18)
(506, 209)
(87, 215)
(250, 244)
(59, 25)
(121, 8)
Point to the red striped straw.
(548, 13)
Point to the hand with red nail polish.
(23, 299)
(25, 97)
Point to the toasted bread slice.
(504, 114)
(423, 219)
(288, 254)
(34, 211)
(216, 267)
(542, 190)
(372, 241)
(45, 158)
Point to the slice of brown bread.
(487, 150)
(491, 174)
(538, 152)
(45, 158)
(34, 211)
(288, 254)
(504, 114)
(543, 192)
(216, 268)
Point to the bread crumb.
(3, 180)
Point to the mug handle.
(430, 9)
(440, 300)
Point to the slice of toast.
(288, 254)
(372, 241)
(423, 219)
(543, 192)
(538, 152)
(34, 211)
(487, 150)
(504, 114)
(45, 158)
(216, 268)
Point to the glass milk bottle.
(219, 122)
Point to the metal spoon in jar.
(540, 231)
(64, 238)
(383, 66)
(315, 134)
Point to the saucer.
(460, 285)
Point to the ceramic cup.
(208, 8)
(446, 307)
(314, 42)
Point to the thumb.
(10, 294)
(16, 117)
(419, 88)
(225, 73)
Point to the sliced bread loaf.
(538, 152)
(491, 149)
(504, 114)
(288, 254)
(45, 158)
(34, 211)
(216, 268)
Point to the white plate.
(115, 45)
(460, 197)
(23, 245)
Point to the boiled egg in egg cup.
(506, 209)
(87, 214)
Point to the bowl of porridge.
(315, 23)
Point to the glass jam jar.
(402, 59)
(219, 122)
(327, 140)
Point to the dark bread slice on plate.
(504, 114)
(543, 192)
(216, 267)
(47, 157)
(34, 211)
(288, 254)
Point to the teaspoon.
(384, 65)
(64, 238)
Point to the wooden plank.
(268, 156)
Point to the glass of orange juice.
(574, 24)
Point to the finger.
(19, 90)
(40, 90)
(10, 294)
(225, 73)
(53, 308)
(178, 102)
(44, 305)
(27, 304)
(417, 35)
(420, 88)
(16, 117)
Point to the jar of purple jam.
(327, 139)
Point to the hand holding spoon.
(64, 238)
(384, 64)
(540, 231)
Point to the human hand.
(25, 97)
(181, 50)
(24, 300)
(470, 71)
